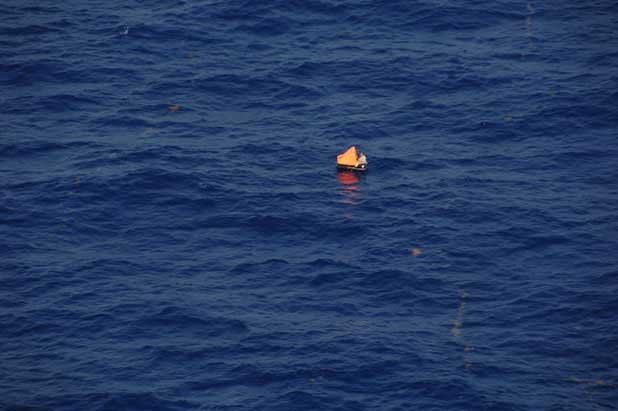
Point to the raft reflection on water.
(349, 186)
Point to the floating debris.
(174, 107)
(458, 322)
(456, 330)
(597, 382)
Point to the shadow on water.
(350, 187)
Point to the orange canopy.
(349, 158)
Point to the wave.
(267, 26)
(235, 86)
(175, 318)
(390, 280)
(39, 147)
(29, 30)
(171, 32)
(54, 71)
(104, 400)
(244, 9)
(54, 104)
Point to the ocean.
(175, 235)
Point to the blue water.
(174, 234)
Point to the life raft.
(348, 160)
